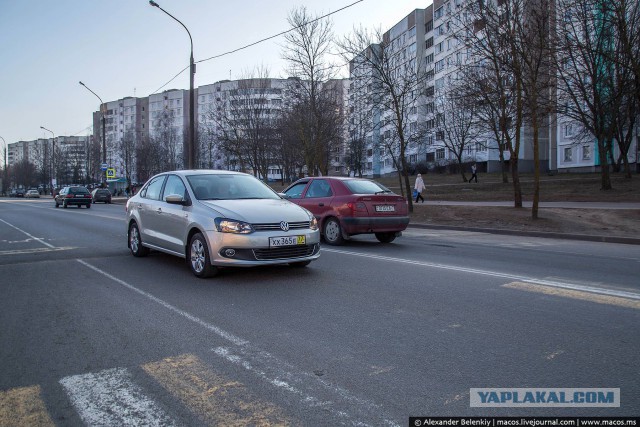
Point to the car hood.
(258, 211)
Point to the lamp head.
(152, 3)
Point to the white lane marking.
(111, 398)
(513, 277)
(279, 371)
(309, 389)
(216, 330)
(33, 237)
(35, 251)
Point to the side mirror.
(175, 199)
(284, 196)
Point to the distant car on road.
(32, 194)
(76, 195)
(101, 195)
(219, 219)
(16, 192)
(347, 206)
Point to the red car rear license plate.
(385, 208)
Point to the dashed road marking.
(111, 398)
(576, 294)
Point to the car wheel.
(57, 205)
(300, 264)
(333, 232)
(386, 237)
(135, 242)
(89, 206)
(198, 257)
(64, 205)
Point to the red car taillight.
(357, 207)
(69, 196)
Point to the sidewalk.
(525, 204)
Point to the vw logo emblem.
(284, 225)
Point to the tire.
(89, 206)
(333, 232)
(199, 259)
(57, 205)
(300, 264)
(135, 242)
(64, 204)
(386, 237)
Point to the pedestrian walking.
(474, 173)
(419, 187)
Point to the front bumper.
(248, 250)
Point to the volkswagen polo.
(216, 219)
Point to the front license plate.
(80, 195)
(287, 241)
(385, 208)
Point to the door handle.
(320, 204)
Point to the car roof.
(189, 172)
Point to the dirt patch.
(599, 222)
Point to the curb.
(543, 234)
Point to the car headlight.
(313, 224)
(225, 225)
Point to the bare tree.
(127, 152)
(456, 118)
(589, 91)
(247, 122)
(494, 74)
(307, 51)
(536, 57)
(394, 86)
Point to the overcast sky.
(122, 48)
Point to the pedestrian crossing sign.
(111, 173)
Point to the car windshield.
(229, 187)
(78, 190)
(364, 186)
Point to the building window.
(413, 158)
(568, 129)
(440, 153)
(428, 26)
(568, 154)
(431, 157)
(438, 13)
(586, 152)
(428, 43)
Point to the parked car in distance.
(32, 194)
(76, 195)
(218, 219)
(346, 206)
(101, 195)
(16, 192)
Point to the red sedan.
(348, 206)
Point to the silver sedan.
(219, 219)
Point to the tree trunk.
(605, 176)
(515, 178)
(536, 167)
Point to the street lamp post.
(4, 171)
(53, 162)
(191, 144)
(104, 127)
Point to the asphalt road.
(369, 334)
